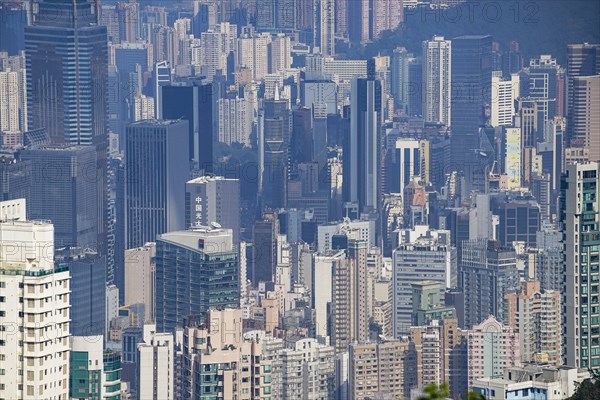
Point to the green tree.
(586, 390)
(435, 392)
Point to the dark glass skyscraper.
(362, 148)
(67, 72)
(194, 102)
(470, 92)
(156, 174)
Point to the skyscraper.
(504, 95)
(264, 251)
(359, 21)
(362, 149)
(400, 84)
(30, 283)
(471, 80)
(324, 26)
(579, 206)
(213, 199)
(195, 102)
(582, 60)
(584, 117)
(64, 191)
(196, 270)
(437, 54)
(155, 180)
(273, 147)
(67, 76)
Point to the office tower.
(213, 199)
(194, 102)
(492, 347)
(379, 369)
(585, 121)
(505, 93)
(88, 293)
(156, 361)
(386, 15)
(578, 205)
(324, 26)
(471, 79)
(67, 57)
(15, 178)
(437, 82)
(422, 254)
(359, 21)
(316, 360)
(518, 220)
(541, 82)
(264, 251)
(29, 283)
(14, 20)
(155, 182)
(415, 87)
(407, 164)
(94, 373)
(139, 278)
(64, 191)
(487, 273)
(362, 163)
(196, 270)
(273, 147)
(535, 316)
(219, 362)
(399, 81)
(426, 303)
(349, 309)
(582, 60)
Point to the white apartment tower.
(437, 54)
(156, 361)
(34, 309)
(504, 95)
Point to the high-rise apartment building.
(67, 76)
(579, 206)
(213, 199)
(34, 309)
(10, 101)
(437, 81)
(196, 270)
(386, 15)
(430, 256)
(139, 278)
(535, 316)
(157, 363)
(362, 162)
(492, 347)
(324, 26)
(379, 369)
(350, 321)
(584, 117)
(316, 360)
(487, 273)
(220, 363)
(155, 180)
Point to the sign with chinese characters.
(198, 212)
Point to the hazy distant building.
(139, 278)
(155, 179)
(584, 117)
(437, 56)
(505, 93)
(264, 251)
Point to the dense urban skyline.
(299, 199)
